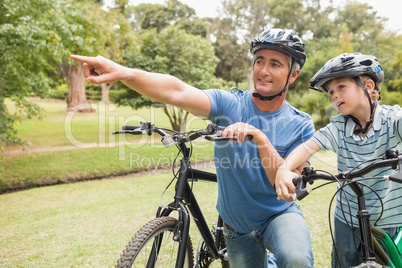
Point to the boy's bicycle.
(379, 249)
(165, 241)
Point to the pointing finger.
(85, 59)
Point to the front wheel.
(155, 236)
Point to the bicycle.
(155, 244)
(379, 249)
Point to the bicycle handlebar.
(212, 133)
(309, 175)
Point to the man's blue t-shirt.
(246, 199)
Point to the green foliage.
(159, 16)
(396, 83)
(23, 69)
(189, 57)
(391, 97)
(36, 39)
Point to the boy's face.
(347, 97)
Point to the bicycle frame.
(390, 256)
(185, 202)
(184, 192)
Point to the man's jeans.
(346, 244)
(286, 236)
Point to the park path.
(40, 149)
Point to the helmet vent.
(366, 62)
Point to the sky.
(385, 8)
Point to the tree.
(23, 69)
(238, 23)
(36, 39)
(78, 30)
(159, 16)
(362, 22)
(172, 51)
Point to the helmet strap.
(269, 98)
(360, 128)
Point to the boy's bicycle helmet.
(347, 65)
(351, 65)
(284, 41)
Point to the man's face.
(270, 72)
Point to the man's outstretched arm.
(159, 87)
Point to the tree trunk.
(177, 117)
(105, 91)
(249, 75)
(76, 99)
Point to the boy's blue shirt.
(246, 199)
(351, 150)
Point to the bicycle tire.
(137, 252)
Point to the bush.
(60, 93)
(114, 94)
(93, 94)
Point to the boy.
(363, 130)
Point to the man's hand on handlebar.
(243, 133)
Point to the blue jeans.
(346, 244)
(286, 236)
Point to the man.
(255, 219)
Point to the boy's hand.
(99, 70)
(285, 188)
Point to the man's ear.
(293, 76)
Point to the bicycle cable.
(329, 213)
(175, 176)
(350, 223)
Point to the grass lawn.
(88, 224)
(81, 130)
(23, 171)
(58, 128)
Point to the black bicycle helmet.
(282, 40)
(351, 65)
(347, 65)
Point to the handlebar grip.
(129, 127)
(132, 132)
(302, 193)
(396, 177)
(248, 138)
(301, 190)
(219, 138)
(297, 180)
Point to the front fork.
(181, 230)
